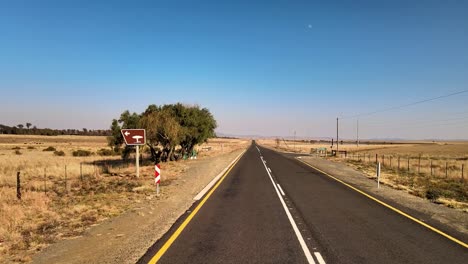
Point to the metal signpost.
(135, 137)
(378, 175)
(157, 177)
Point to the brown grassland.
(63, 195)
(433, 170)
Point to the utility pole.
(357, 139)
(337, 138)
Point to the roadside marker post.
(135, 137)
(157, 177)
(378, 175)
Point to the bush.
(49, 149)
(59, 153)
(16, 148)
(31, 147)
(432, 194)
(106, 152)
(81, 153)
(17, 152)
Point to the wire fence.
(449, 168)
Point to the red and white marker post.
(157, 177)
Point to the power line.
(411, 123)
(405, 105)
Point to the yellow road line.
(179, 230)
(390, 207)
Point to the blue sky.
(261, 67)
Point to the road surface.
(271, 208)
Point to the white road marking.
(208, 187)
(281, 190)
(258, 149)
(309, 257)
(319, 258)
(269, 170)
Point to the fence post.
(431, 168)
(419, 164)
(462, 169)
(378, 175)
(376, 159)
(446, 169)
(66, 185)
(45, 181)
(408, 164)
(18, 186)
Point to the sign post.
(378, 175)
(135, 137)
(157, 177)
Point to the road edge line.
(215, 179)
(453, 239)
(179, 230)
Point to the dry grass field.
(61, 196)
(434, 170)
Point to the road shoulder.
(124, 239)
(424, 210)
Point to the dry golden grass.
(305, 147)
(53, 208)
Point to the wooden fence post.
(419, 164)
(462, 169)
(66, 185)
(431, 168)
(45, 181)
(376, 159)
(408, 164)
(18, 186)
(446, 169)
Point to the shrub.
(81, 153)
(49, 149)
(15, 148)
(59, 153)
(31, 147)
(432, 194)
(17, 152)
(106, 152)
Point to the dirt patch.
(124, 239)
(425, 210)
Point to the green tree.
(28, 125)
(162, 129)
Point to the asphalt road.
(271, 208)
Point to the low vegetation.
(59, 153)
(82, 153)
(49, 149)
